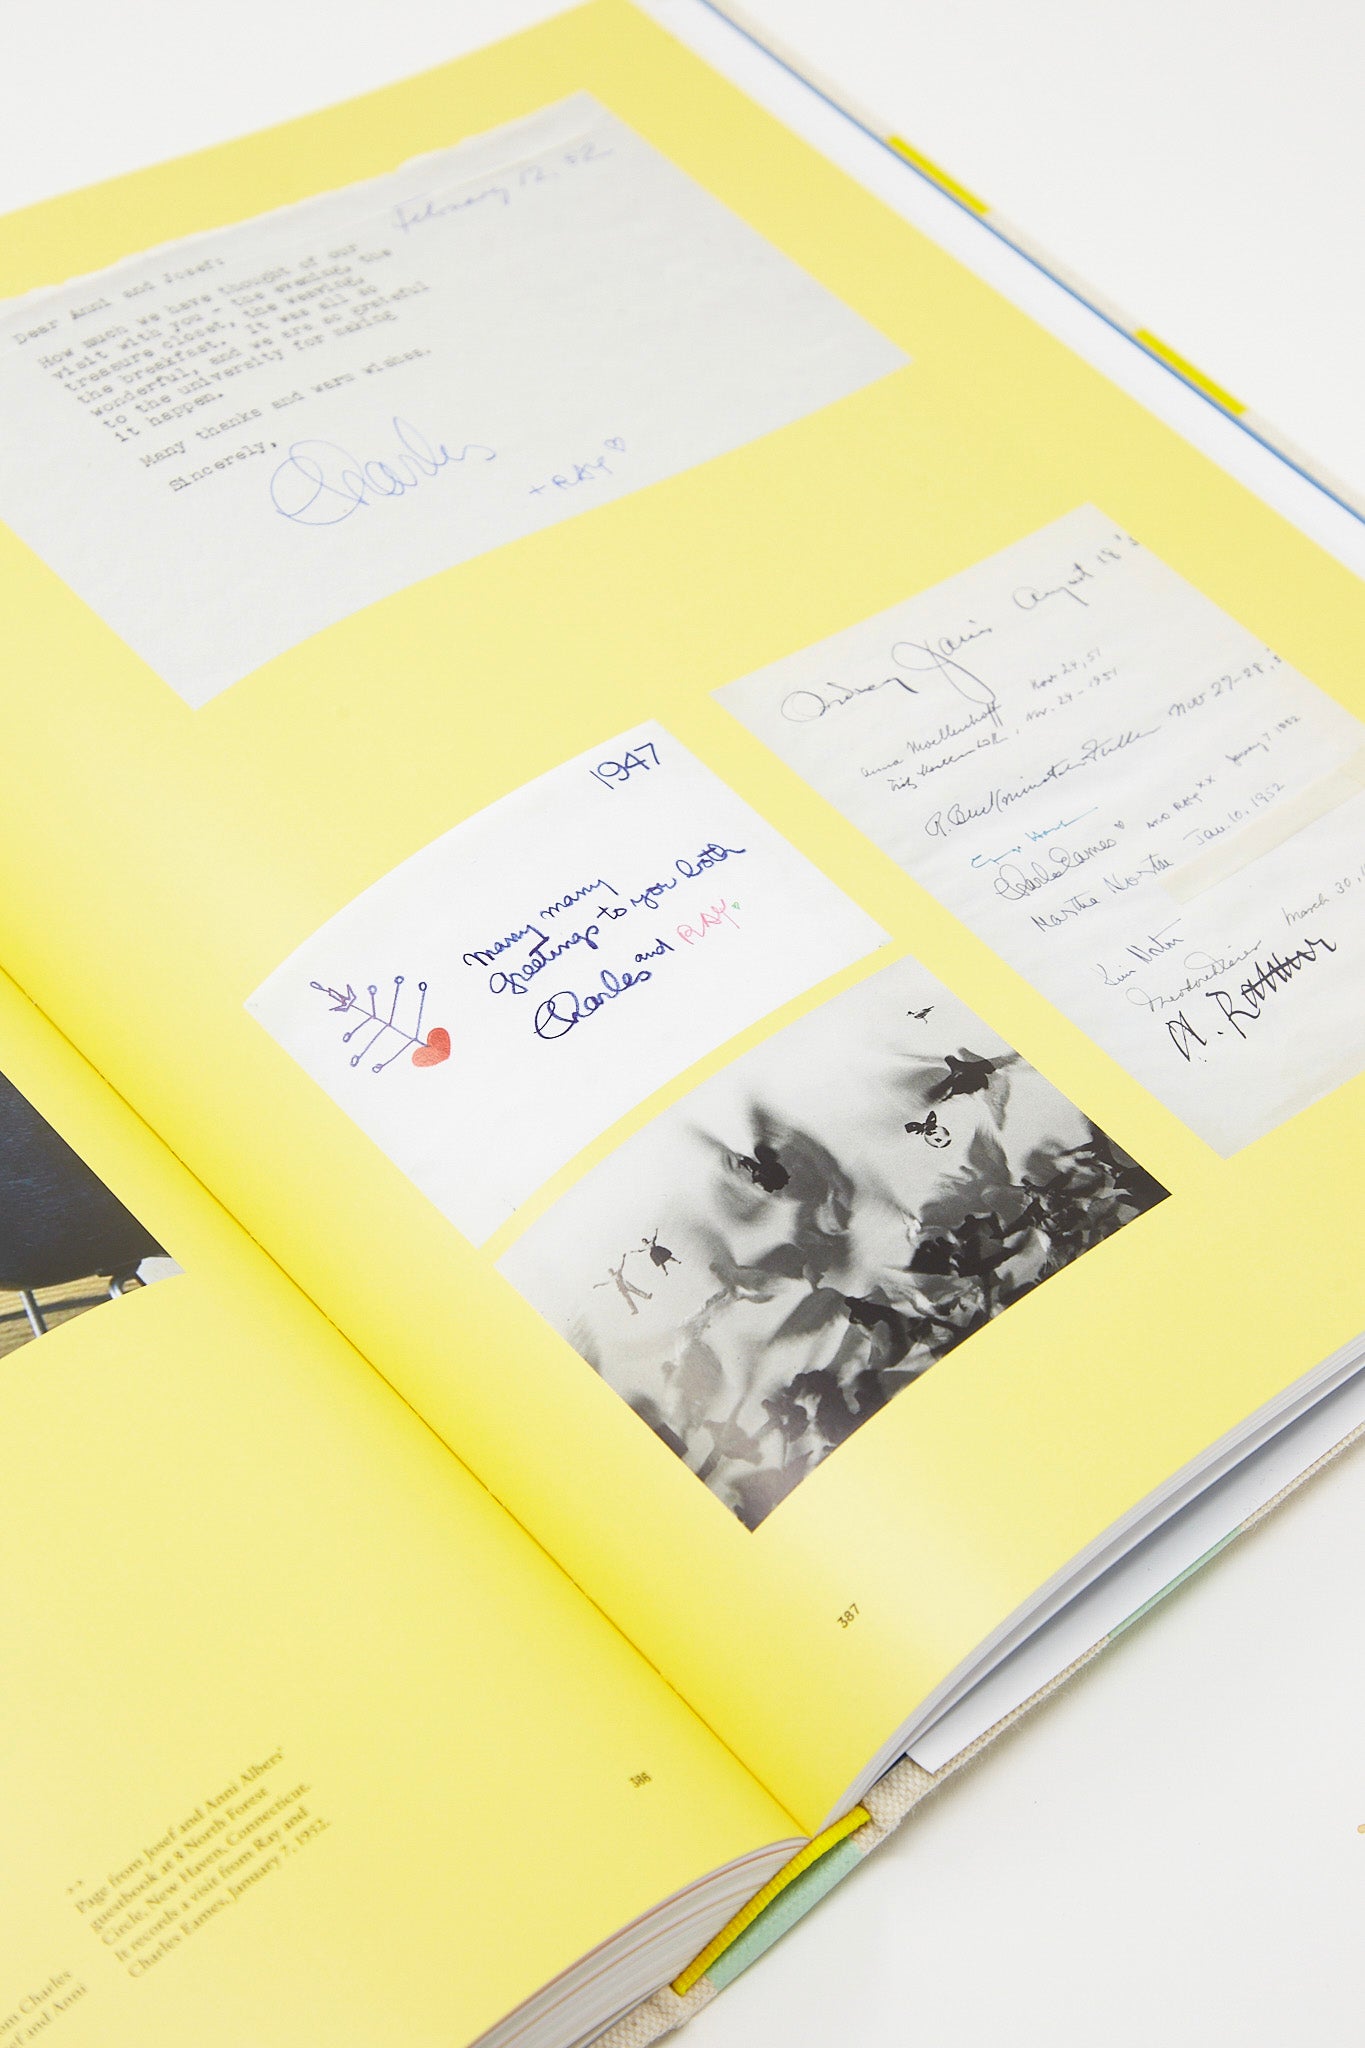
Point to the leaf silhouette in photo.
(1041, 1200)
(648, 1412)
(731, 1441)
(960, 1251)
(968, 1074)
(1127, 1176)
(825, 1404)
(758, 1493)
(698, 1379)
(820, 1187)
(754, 1283)
(979, 1177)
(899, 1333)
(765, 1169)
(815, 1311)
(788, 1414)
(785, 1260)
(815, 1191)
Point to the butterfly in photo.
(931, 1130)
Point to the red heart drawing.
(436, 1049)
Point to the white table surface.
(1169, 1853)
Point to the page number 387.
(849, 1616)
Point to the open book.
(701, 908)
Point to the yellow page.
(303, 1739)
(345, 837)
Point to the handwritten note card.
(1148, 814)
(233, 442)
(505, 995)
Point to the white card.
(1154, 819)
(233, 442)
(499, 1000)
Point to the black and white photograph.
(795, 1243)
(67, 1243)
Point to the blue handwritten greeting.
(580, 918)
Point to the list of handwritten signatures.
(1113, 783)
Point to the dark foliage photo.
(796, 1242)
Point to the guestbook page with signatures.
(1148, 813)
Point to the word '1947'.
(612, 773)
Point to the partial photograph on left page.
(67, 1243)
(228, 444)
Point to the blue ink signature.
(559, 1013)
(321, 483)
